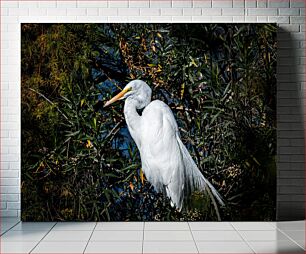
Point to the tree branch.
(40, 94)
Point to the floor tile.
(273, 235)
(63, 226)
(256, 225)
(276, 247)
(296, 235)
(9, 224)
(169, 247)
(291, 225)
(167, 236)
(22, 236)
(216, 236)
(114, 247)
(60, 247)
(301, 243)
(33, 226)
(211, 226)
(101, 236)
(17, 247)
(273, 224)
(166, 226)
(69, 236)
(2, 231)
(119, 226)
(5, 226)
(223, 247)
(160, 237)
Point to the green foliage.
(78, 160)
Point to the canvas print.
(148, 122)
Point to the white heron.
(165, 160)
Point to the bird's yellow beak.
(117, 97)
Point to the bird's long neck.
(133, 120)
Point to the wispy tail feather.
(214, 192)
(194, 176)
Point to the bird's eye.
(129, 89)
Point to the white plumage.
(166, 162)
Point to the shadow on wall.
(290, 130)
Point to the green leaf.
(71, 134)
(95, 122)
(111, 175)
(82, 102)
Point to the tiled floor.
(152, 237)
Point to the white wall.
(289, 14)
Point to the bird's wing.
(160, 153)
(165, 160)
